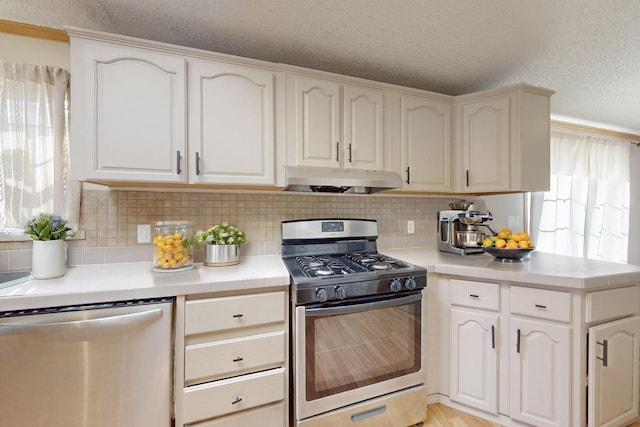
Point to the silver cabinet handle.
(236, 400)
(237, 316)
(337, 151)
(605, 352)
(408, 170)
(178, 158)
(197, 163)
(518, 342)
(493, 336)
(238, 359)
(350, 153)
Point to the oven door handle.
(357, 308)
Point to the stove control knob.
(410, 283)
(340, 292)
(395, 285)
(321, 294)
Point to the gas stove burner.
(374, 261)
(322, 265)
(324, 271)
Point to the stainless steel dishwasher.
(89, 365)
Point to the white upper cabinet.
(128, 113)
(149, 111)
(485, 142)
(232, 124)
(502, 140)
(313, 110)
(422, 138)
(335, 125)
(363, 127)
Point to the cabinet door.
(425, 138)
(474, 362)
(540, 372)
(363, 132)
(128, 114)
(231, 124)
(614, 357)
(313, 110)
(484, 143)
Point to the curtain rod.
(28, 30)
(633, 138)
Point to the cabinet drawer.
(219, 314)
(475, 294)
(212, 360)
(266, 416)
(613, 303)
(542, 303)
(217, 398)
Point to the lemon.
(511, 244)
(501, 243)
(487, 242)
(505, 233)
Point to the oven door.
(352, 352)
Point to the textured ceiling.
(588, 51)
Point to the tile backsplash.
(110, 218)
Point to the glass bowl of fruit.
(173, 246)
(508, 247)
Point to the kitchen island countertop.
(96, 283)
(539, 268)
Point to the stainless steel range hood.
(334, 180)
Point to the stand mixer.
(459, 233)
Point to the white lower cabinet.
(614, 357)
(474, 360)
(231, 360)
(540, 372)
(562, 358)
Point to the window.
(586, 211)
(34, 146)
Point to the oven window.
(348, 351)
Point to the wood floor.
(443, 416)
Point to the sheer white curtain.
(34, 145)
(586, 211)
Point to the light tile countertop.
(539, 268)
(93, 283)
(96, 283)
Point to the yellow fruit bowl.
(508, 254)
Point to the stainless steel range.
(358, 319)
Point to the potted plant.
(48, 259)
(222, 244)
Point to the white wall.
(502, 207)
(28, 50)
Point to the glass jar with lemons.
(173, 246)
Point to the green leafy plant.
(221, 234)
(48, 227)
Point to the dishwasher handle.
(83, 330)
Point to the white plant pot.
(221, 255)
(48, 259)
